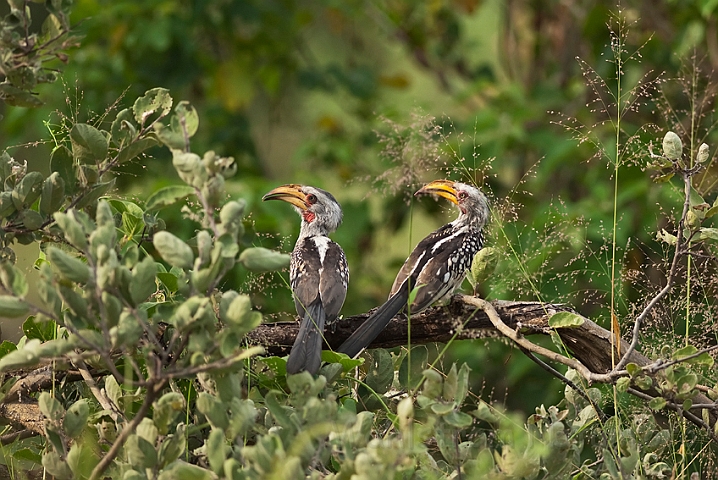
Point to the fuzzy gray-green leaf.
(260, 259)
(168, 196)
(672, 146)
(68, 267)
(12, 307)
(76, 418)
(89, 145)
(143, 280)
(173, 250)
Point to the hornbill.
(437, 265)
(318, 272)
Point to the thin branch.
(129, 429)
(670, 280)
(103, 400)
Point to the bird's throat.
(308, 216)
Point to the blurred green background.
(370, 98)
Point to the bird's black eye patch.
(462, 194)
(311, 199)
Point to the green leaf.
(113, 389)
(55, 466)
(50, 407)
(330, 356)
(633, 369)
(18, 97)
(185, 119)
(82, 459)
(169, 280)
(706, 233)
(13, 280)
(27, 190)
(156, 100)
(565, 319)
(259, 259)
(25, 357)
(72, 229)
(89, 145)
(123, 130)
(31, 219)
(622, 384)
(167, 196)
(141, 454)
(672, 146)
(166, 409)
(70, 268)
(53, 194)
(94, 194)
(12, 307)
(413, 372)
(179, 470)
(483, 265)
(143, 280)
(173, 250)
(657, 403)
(42, 330)
(76, 418)
(216, 450)
(134, 149)
(215, 411)
(7, 347)
(172, 447)
(380, 371)
(61, 162)
(458, 419)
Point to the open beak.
(442, 188)
(291, 193)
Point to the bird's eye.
(462, 195)
(311, 199)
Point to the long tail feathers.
(373, 326)
(306, 353)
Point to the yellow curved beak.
(291, 193)
(442, 188)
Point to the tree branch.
(467, 317)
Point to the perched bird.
(437, 265)
(318, 272)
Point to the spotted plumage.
(436, 266)
(318, 272)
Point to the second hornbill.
(437, 265)
(318, 272)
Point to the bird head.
(472, 203)
(321, 213)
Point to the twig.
(522, 342)
(669, 280)
(21, 435)
(129, 429)
(104, 401)
(677, 408)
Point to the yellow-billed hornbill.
(437, 265)
(318, 272)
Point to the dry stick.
(129, 429)
(669, 281)
(21, 435)
(105, 402)
(522, 342)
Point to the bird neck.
(469, 220)
(312, 229)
